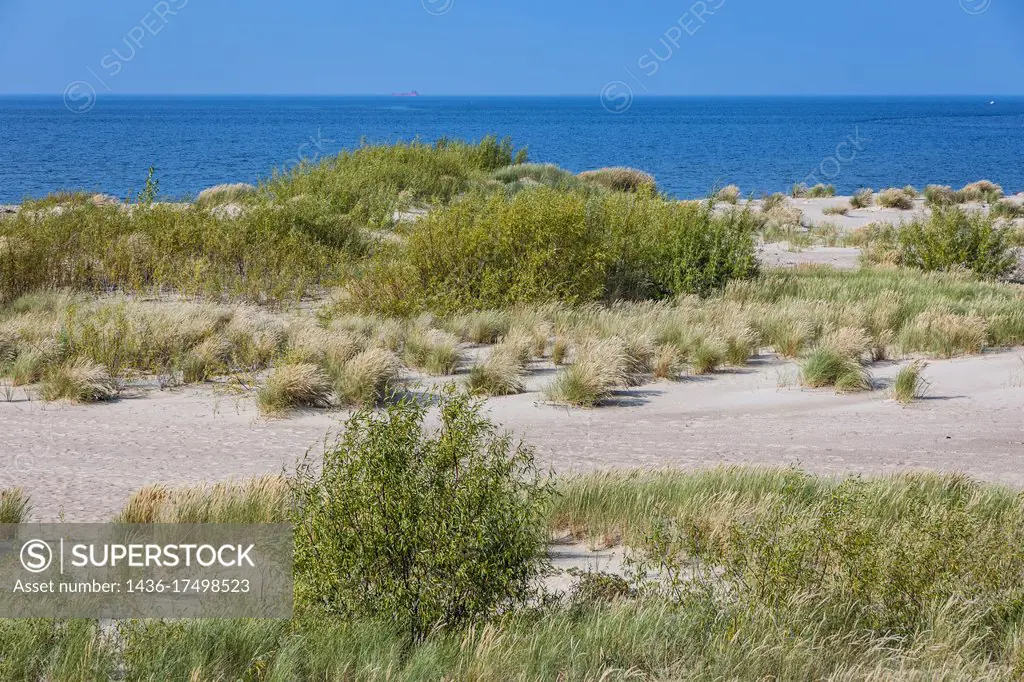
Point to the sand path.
(84, 461)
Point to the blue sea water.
(691, 145)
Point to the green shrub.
(951, 238)
(821, 191)
(541, 245)
(420, 529)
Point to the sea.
(692, 145)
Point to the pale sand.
(84, 461)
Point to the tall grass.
(764, 574)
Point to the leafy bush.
(542, 245)
(952, 238)
(421, 529)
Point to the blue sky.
(496, 47)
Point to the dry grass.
(368, 378)
(599, 368)
(265, 499)
(291, 386)
(621, 179)
(500, 374)
(78, 380)
(862, 198)
(982, 191)
(909, 384)
(14, 506)
(895, 198)
(728, 195)
(220, 195)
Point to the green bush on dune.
(952, 239)
(542, 245)
(419, 529)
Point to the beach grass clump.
(264, 499)
(836, 210)
(521, 176)
(368, 378)
(895, 198)
(599, 368)
(291, 386)
(209, 358)
(954, 239)
(770, 201)
(432, 351)
(1006, 209)
(483, 327)
(909, 384)
(621, 180)
(984, 191)
(942, 195)
(728, 195)
(14, 506)
(78, 380)
(824, 367)
(368, 185)
(707, 355)
(820, 191)
(668, 362)
(944, 334)
(500, 374)
(220, 195)
(460, 506)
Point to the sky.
(514, 47)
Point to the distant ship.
(406, 94)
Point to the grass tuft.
(78, 380)
(909, 384)
(599, 368)
(291, 386)
(825, 367)
(14, 506)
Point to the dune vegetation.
(337, 284)
(731, 573)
